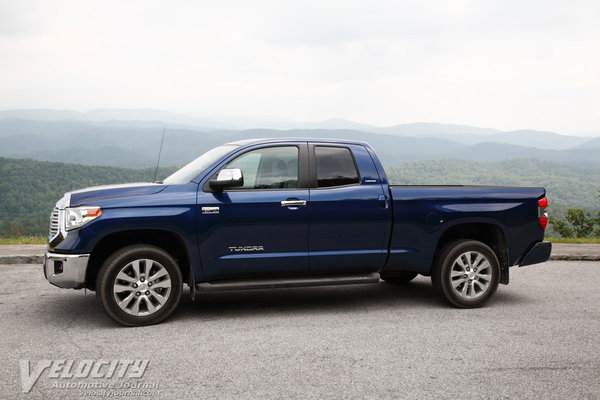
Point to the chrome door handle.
(293, 203)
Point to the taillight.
(543, 212)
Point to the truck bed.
(422, 214)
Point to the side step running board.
(289, 282)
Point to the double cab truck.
(268, 213)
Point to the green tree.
(561, 227)
(581, 221)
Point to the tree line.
(29, 189)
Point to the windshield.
(195, 168)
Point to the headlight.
(78, 216)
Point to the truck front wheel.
(466, 273)
(139, 285)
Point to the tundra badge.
(236, 249)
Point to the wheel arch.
(166, 240)
(488, 233)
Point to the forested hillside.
(29, 189)
(566, 186)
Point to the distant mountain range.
(145, 117)
(420, 153)
(131, 138)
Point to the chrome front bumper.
(66, 270)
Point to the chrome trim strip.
(260, 254)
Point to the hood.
(95, 193)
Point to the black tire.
(466, 273)
(399, 277)
(142, 301)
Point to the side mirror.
(227, 178)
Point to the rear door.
(348, 212)
(261, 228)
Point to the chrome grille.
(54, 222)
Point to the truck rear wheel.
(139, 285)
(466, 273)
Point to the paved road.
(537, 339)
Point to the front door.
(261, 228)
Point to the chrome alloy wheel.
(471, 275)
(142, 287)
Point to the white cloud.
(502, 64)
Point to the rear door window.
(335, 167)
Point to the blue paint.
(362, 227)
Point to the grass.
(592, 240)
(24, 240)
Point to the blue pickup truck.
(271, 213)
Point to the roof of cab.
(295, 139)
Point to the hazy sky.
(498, 63)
